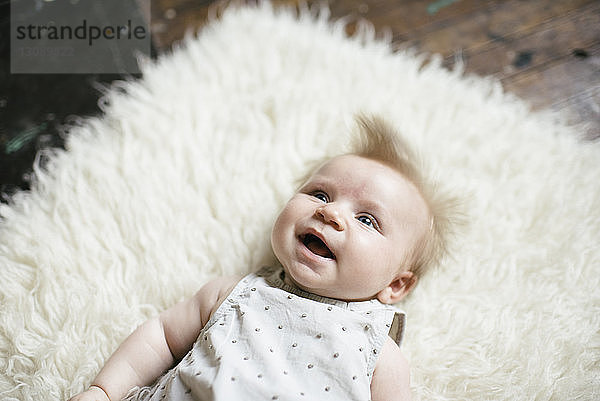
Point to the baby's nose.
(329, 214)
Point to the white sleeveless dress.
(272, 341)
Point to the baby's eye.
(368, 220)
(322, 196)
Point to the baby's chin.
(306, 279)
(301, 277)
(317, 287)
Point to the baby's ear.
(398, 289)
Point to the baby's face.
(349, 229)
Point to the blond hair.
(379, 141)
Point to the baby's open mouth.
(316, 246)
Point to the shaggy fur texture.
(182, 177)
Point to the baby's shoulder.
(391, 379)
(213, 293)
(219, 286)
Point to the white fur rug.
(182, 177)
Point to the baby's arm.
(391, 376)
(155, 346)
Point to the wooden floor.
(545, 51)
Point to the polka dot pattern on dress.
(268, 338)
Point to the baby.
(351, 242)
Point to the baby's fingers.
(92, 394)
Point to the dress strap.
(397, 328)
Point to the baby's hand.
(92, 394)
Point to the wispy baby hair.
(378, 140)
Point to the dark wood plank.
(172, 18)
(488, 24)
(552, 40)
(410, 18)
(570, 85)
